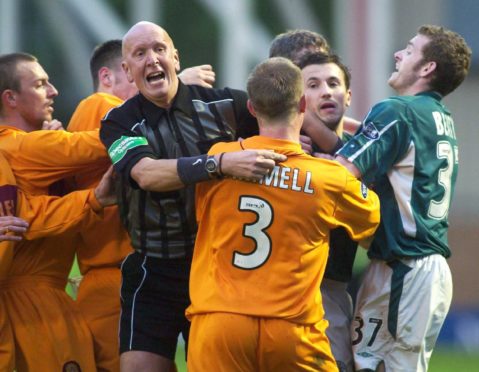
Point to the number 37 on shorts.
(365, 331)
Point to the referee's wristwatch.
(212, 167)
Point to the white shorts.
(338, 309)
(400, 309)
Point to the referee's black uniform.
(162, 225)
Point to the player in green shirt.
(407, 150)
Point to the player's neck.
(104, 89)
(340, 128)
(286, 132)
(419, 86)
(17, 121)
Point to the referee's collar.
(181, 102)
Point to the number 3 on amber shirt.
(256, 231)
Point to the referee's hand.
(250, 165)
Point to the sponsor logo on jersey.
(370, 131)
(364, 190)
(365, 354)
(120, 147)
(71, 366)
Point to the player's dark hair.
(106, 54)
(318, 58)
(293, 43)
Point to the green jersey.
(407, 151)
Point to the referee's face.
(151, 61)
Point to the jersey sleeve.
(50, 215)
(43, 157)
(357, 209)
(8, 206)
(125, 137)
(383, 138)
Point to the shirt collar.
(281, 146)
(432, 94)
(181, 102)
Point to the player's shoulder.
(105, 99)
(220, 147)
(126, 111)
(322, 167)
(327, 174)
(393, 103)
(215, 94)
(406, 101)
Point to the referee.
(157, 142)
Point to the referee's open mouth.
(155, 77)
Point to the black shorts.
(154, 297)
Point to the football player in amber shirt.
(39, 216)
(261, 249)
(102, 245)
(49, 332)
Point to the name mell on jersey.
(288, 179)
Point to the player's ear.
(347, 98)
(9, 98)
(302, 104)
(428, 68)
(128, 74)
(249, 104)
(104, 76)
(176, 57)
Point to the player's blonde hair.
(275, 88)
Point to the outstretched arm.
(349, 166)
(321, 135)
(164, 175)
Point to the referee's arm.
(172, 174)
(156, 174)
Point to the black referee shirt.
(163, 224)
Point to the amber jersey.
(261, 249)
(46, 215)
(38, 159)
(106, 242)
(42, 157)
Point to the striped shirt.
(162, 224)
